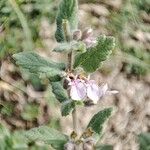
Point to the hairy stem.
(70, 61)
(67, 35)
(74, 118)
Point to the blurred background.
(27, 101)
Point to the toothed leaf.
(67, 107)
(47, 135)
(92, 59)
(59, 91)
(99, 119)
(38, 65)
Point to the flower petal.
(112, 92)
(78, 90)
(103, 89)
(93, 92)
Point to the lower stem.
(70, 61)
(74, 118)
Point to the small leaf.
(99, 119)
(63, 47)
(67, 10)
(67, 107)
(59, 91)
(104, 147)
(38, 65)
(47, 135)
(92, 59)
(19, 141)
(72, 46)
(144, 141)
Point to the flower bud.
(77, 35)
(87, 33)
(89, 144)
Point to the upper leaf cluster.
(67, 11)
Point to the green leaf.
(104, 147)
(10, 140)
(63, 47)
(144, 141)
(99, 119)
(92, 59)
(72, 46)
(38, 65)
(59, 91)
(47, 135)
(19, 142)
(67, 107)
(67, 10)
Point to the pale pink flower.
(78, 90)
(93, 92)
(81, 89)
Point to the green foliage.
(11, 141)
(38, 65)
(12, 38)
(72, 46)
(92, 59)
(129, 20)
(67, 10)
(144, 141)
(47, 135)
(134, 68)
(67, 107)
(99, 119)
(59, 91)
(17, 141)
(31, 111)
(142, 5)
(6, 109)
(104, 147)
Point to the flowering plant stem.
(74, 112)
(67, 36)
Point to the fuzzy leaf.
(67, 10)
(47, 135)
(99, 119)
(72, 46)
(144, 141)
(38, 65)
(63, 47)
(67, 107)
(92, 59)
(59, 91)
